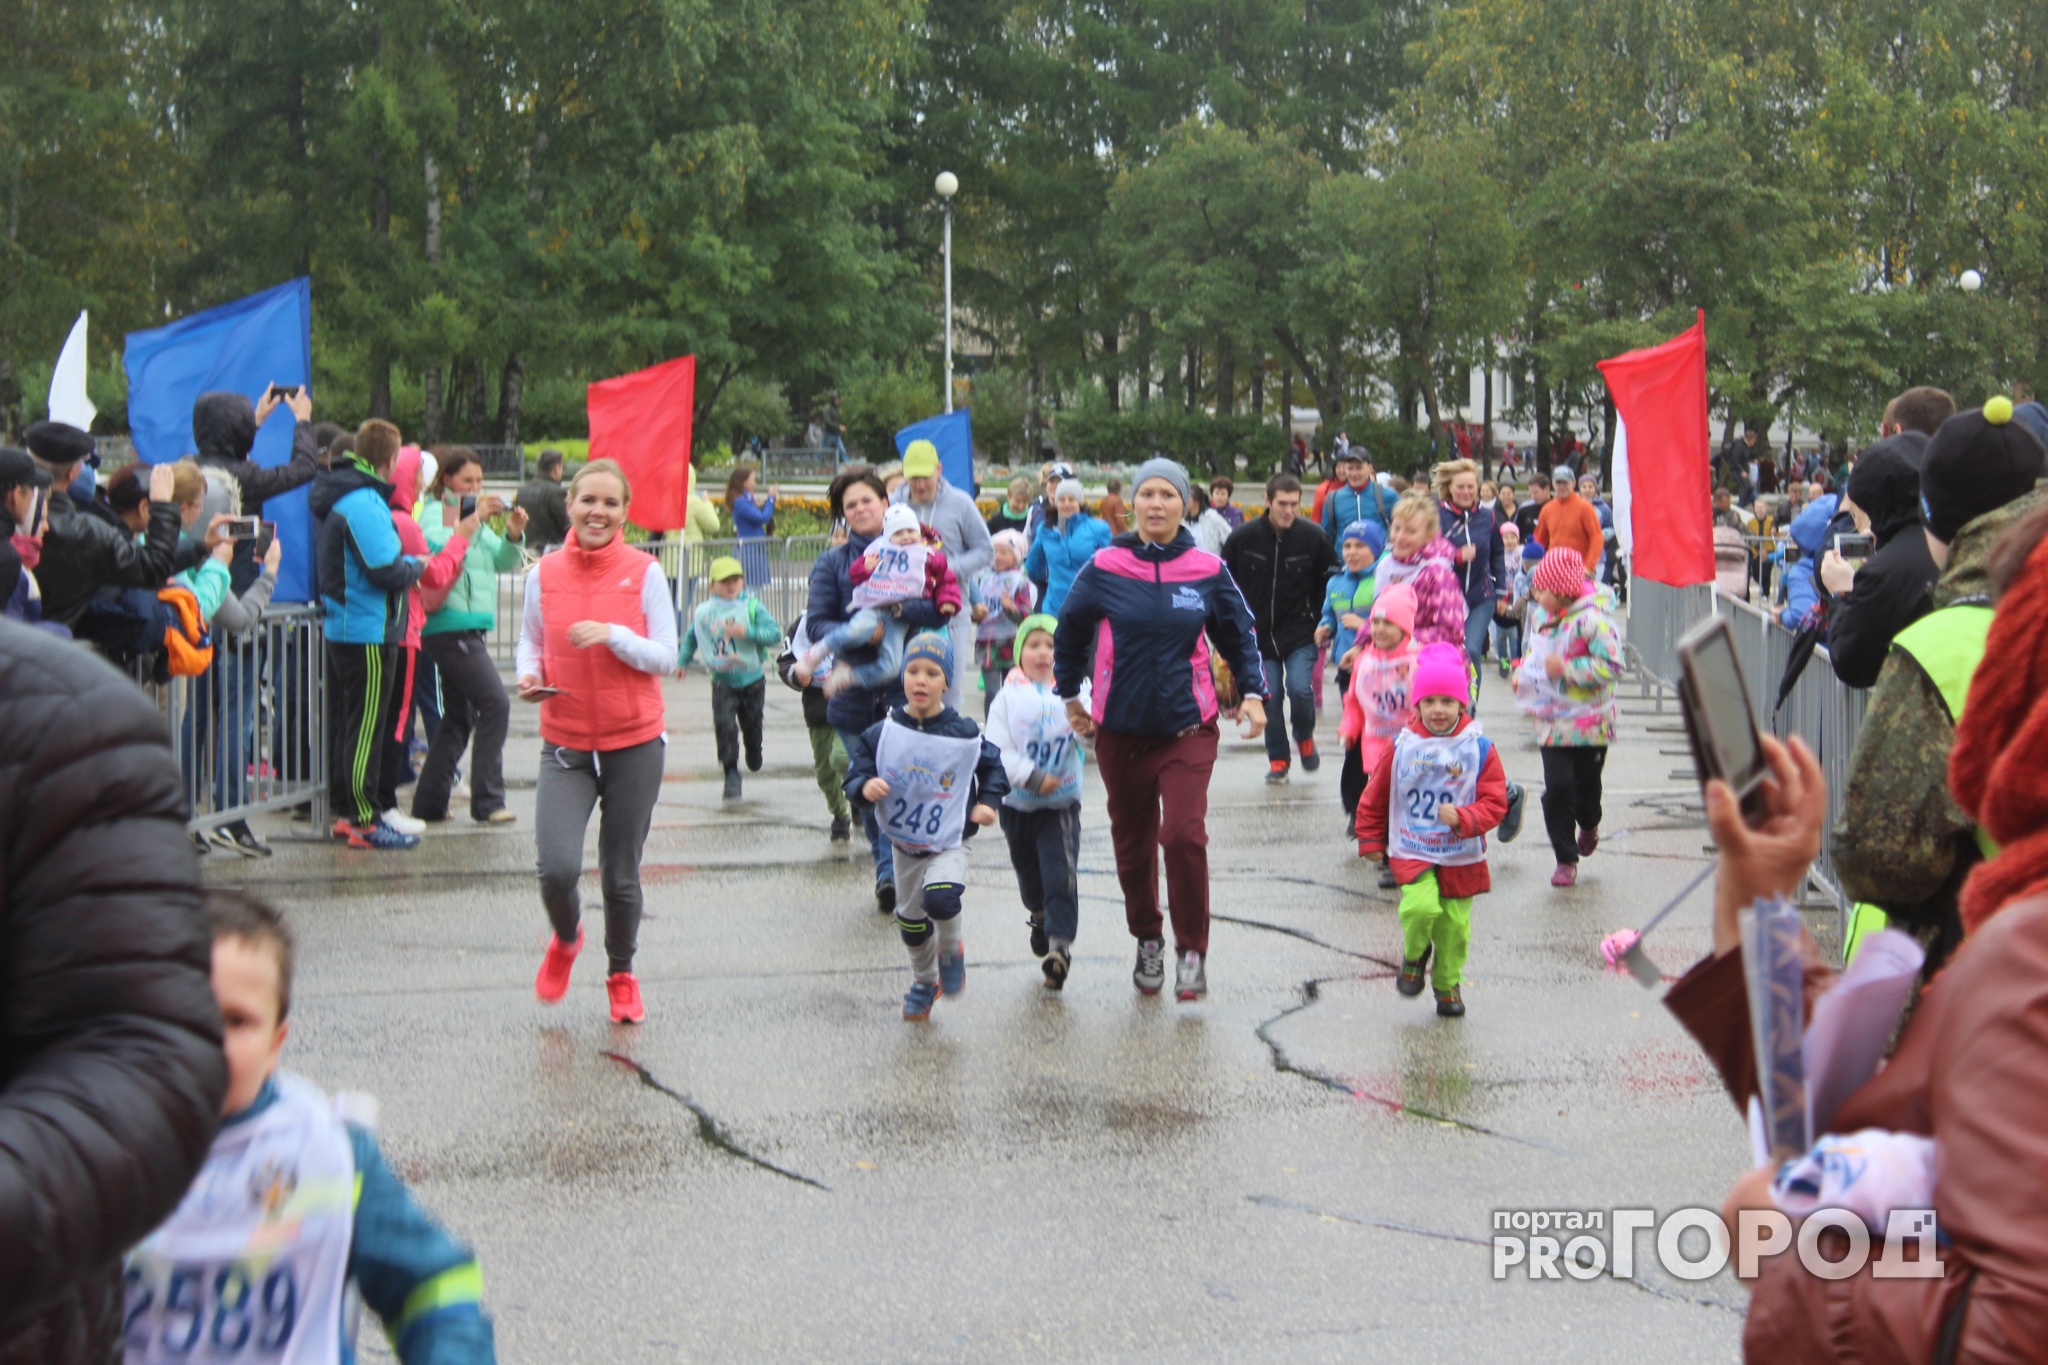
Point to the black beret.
(1977, 462)
(58, 443)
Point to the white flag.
(68, 401)
(1624, 523)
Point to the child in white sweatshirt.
(1041, 815)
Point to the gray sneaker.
(1191, 978)
(1150, 974)
(1511, 823)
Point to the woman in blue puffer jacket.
(1059, 550)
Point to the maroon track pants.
(1159, 800)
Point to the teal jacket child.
(733, 661)
(1348, 594)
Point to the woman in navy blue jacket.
(751, 519)
(1481, 563)
(1148, 606)
(858, 498)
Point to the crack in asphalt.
(1271, 1201)
(1306, 937)
(1311, 994)
(708, 1128)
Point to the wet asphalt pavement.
(776, 1167)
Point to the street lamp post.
(948, 185)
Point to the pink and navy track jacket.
(1149, 611)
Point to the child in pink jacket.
(1419, 556)
(1377, 705)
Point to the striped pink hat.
(1563, 571)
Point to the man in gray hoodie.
(951, 512)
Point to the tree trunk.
(1259, 386)
(1145, 361)
(380, 228)
(1110, 367)
(431, 380)
(1539, 384)
(1486, 438)
(1193, 378)
(1226, 377)
(1034, 420)
(511, 391)
(1608, 417)
(479, 404)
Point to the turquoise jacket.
(733, 663)
(473, 599)
(1347, 594)
(208, 582)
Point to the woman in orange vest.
(597, 636)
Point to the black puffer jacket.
(1895, 586)
(111, 1071)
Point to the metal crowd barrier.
(250, 732)
(1821, 709)
(778, 572)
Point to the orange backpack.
(188, 647)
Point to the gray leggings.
(624, 784)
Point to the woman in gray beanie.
(1147, 608)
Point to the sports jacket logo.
(1187, 599)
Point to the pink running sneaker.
(553, 982)
(1567, 874)
(624, 990)
(1589, 839)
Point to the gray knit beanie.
(1159, 467)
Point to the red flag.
(1661, 394)
(642, 420)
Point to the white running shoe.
(404, 823)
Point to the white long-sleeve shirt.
(654, 652)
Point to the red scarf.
(2001, 752)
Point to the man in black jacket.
(546, 502)
(1895, 586)
(84, 554)
(111, 1069)
(1282, 565)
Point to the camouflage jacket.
(1901, 839)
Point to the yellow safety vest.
(1948, 645)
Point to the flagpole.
(948, 185)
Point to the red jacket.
(1486, 812)
(941, 584)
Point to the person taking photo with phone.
(475, 712)
(597, 635)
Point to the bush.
(997, 402)
(749, 407)
(877, 406)
(1208, 446)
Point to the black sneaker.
(200, 844)
(885, 898)
(753, 760)
(1449, 1003)
(1511, 823)
(1057, 962)
(236, 837)
(842, 828)
(1410, 981)
(1310, 759)
(1387, 882)
(1149, 976)
(732, 785)
(1039, 945)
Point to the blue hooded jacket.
(1809, 532)
(362, 573)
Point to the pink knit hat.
(1396, 604)
(1440, 672)
(1563, 571)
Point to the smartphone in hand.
(1719, 720)
(242, 528)
(467, 506)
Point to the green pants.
(828, 761)
(1427, 918)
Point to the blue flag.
(953, 434)
(240, 347)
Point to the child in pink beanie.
(1376, 705)
(1435, 792)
